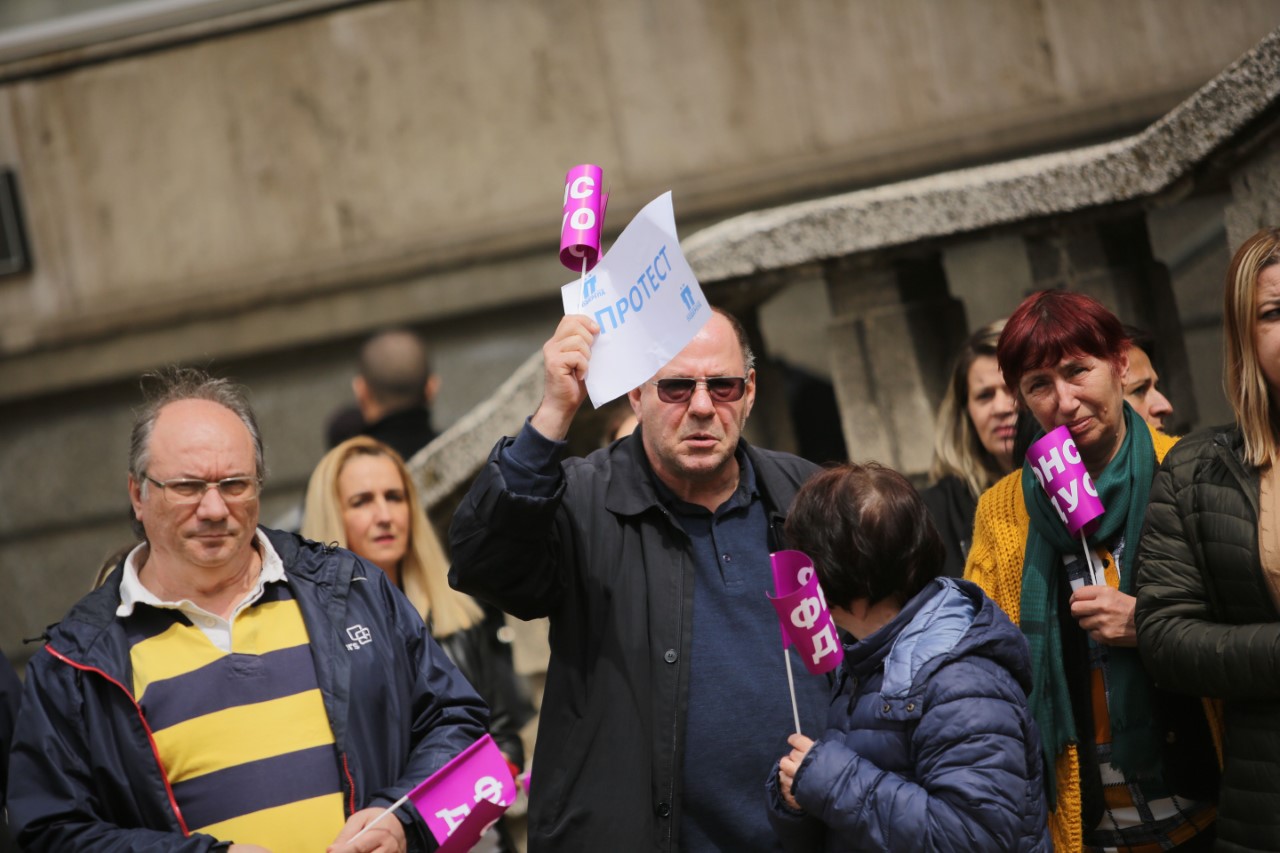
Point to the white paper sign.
(645, 299)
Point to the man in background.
(394, 390)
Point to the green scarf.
(1124, 488)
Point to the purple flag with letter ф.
(802, 610)
(464, 798)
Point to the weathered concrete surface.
(262, 200)
(1255, 193)
(1134, 168)
(873, 221)
(380, 149)
(449, 462)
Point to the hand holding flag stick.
(805, 619)
(462, 799)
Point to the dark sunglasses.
(722, 389)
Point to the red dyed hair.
(1055, 324)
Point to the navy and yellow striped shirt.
(243, 735)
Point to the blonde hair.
(957, 447)
(1244, 382)
(424, 571)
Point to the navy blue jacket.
(929, 743)
(84, 774)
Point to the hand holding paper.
(645, 300)
(565, 360)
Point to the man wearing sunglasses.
(667, 684)
(228, 686)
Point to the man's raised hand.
(565, 359)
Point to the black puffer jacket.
(1207, 624)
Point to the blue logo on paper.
(693, 306)
(591, 291)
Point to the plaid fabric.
(1136, 818)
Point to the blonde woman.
(972, 445)
(361, 497)
(1208, 611)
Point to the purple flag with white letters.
(802, 611)
(1055, 461)
(464, 798)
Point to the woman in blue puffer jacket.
(929, 742)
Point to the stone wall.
(261, 199)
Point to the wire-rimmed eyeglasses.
(184, 490)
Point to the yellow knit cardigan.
(995, 564)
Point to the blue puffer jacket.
(929, 743)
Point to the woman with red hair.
(1105, 729)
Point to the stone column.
(1254, 202)
(990, 274)
(894, 331)
(1111, 260)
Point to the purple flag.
(584, 206)
(802, 611)
(1055, 461)
(464, 798)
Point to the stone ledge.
(449, 462)
(966, 200)
(768, 241)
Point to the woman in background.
(1209, 568)
(361, 497)
(972, 445)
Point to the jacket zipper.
(155, 750)
(1236, 468)
(351, 786)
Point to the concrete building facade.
(260, 196)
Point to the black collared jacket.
(605, 561)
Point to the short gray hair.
(748, 357)
(173, 384)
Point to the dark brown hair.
(867, 532)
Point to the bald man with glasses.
(230, 687)
(666, 695)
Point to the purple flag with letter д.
(463, 799)
(802, 610)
